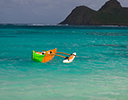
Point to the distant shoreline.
(55, 25)
(111, 13)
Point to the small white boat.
(70, 59)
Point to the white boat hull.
(70, 60)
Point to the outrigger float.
(46, 56)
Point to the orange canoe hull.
(49, 55)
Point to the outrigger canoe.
(43, 56)
(46, 56)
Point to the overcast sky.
(43, 11)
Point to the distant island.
(111, 13)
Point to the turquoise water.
(99, 72)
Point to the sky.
(44, 11)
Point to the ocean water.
(99, 72)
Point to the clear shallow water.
(99, 72)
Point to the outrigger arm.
(63, 53)
(60, 56)
(60, 53)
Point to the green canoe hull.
(37, 57)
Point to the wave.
(27, 24)
(42, 24)
(111, 45)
